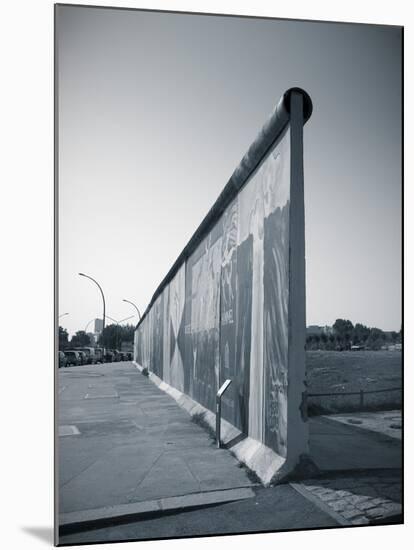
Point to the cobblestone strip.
(359, 500)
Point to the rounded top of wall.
(307, 102)
(272, 131)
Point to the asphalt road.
(275, 509)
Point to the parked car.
(117, 355)
(99, 355)
(109, 356)
(62, 360)
(89, 353)
(73, 357)
(130, 356)
(84, 358)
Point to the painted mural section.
(203, 319)
(225, 314)
(174, 323)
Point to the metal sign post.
(218, 411)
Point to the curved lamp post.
(103, 297)
(132, 304)
(62, 315)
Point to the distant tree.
(63, 338)
(343, 329)
(376, 334)
(348, 336)
(360, 334)
(343, 326)
(376, 338)
(113, 335)
(80, 339)
(92, 341)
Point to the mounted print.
(229, 334)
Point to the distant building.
(98, 326)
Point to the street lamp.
(121, 321)
(132, 304)
(63, 314)
(103, 299)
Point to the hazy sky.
(155, 112)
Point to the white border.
(26, 39)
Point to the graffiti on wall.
(225, 312)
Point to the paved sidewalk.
(337, 446)
(123, 441)
(386, 422)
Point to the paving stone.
(365, 505)
(329, 497)
(338, 505)
(378, 501)
(312, 487)
(354, 499)
(342, 493)
(321, 492)
(351, 514)
(374, 513)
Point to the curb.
(98, 517)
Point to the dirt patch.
(348, 371)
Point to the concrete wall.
(234, 309)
